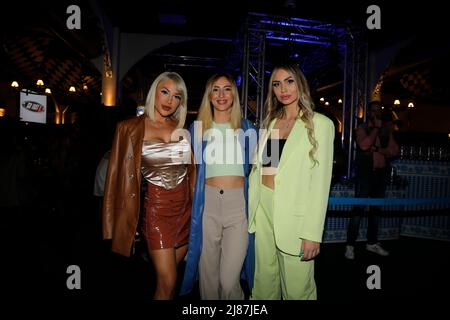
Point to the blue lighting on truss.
(299, 40)
(296, 25)
(238, 80)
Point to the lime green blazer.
(301, 190)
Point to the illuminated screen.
(33, 107)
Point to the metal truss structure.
(263, 31)
(355, 94)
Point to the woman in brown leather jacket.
(153, 146)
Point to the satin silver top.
(165, 164)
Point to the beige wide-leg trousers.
(225, 241)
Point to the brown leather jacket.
(121, 203)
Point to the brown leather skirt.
(167, 216)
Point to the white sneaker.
(350, 252)
(378, 249)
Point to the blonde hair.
(274, 109)
(180, 113)
(205, 113)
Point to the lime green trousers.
(278, 275)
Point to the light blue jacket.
(196, 234)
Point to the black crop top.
(269, 158)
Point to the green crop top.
(223, 152)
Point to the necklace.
(288, 123)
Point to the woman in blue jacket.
(220, 247)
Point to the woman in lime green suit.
(288, 189)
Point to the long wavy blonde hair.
(205, 112)
(275, 109)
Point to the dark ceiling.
(223, 19)
(37, 44)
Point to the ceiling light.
(40, 83)
(14, 84)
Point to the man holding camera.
(375, 146)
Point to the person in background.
(375, 146)
(289, 188)
(99, 185)
(154, 148)
(100, 175)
